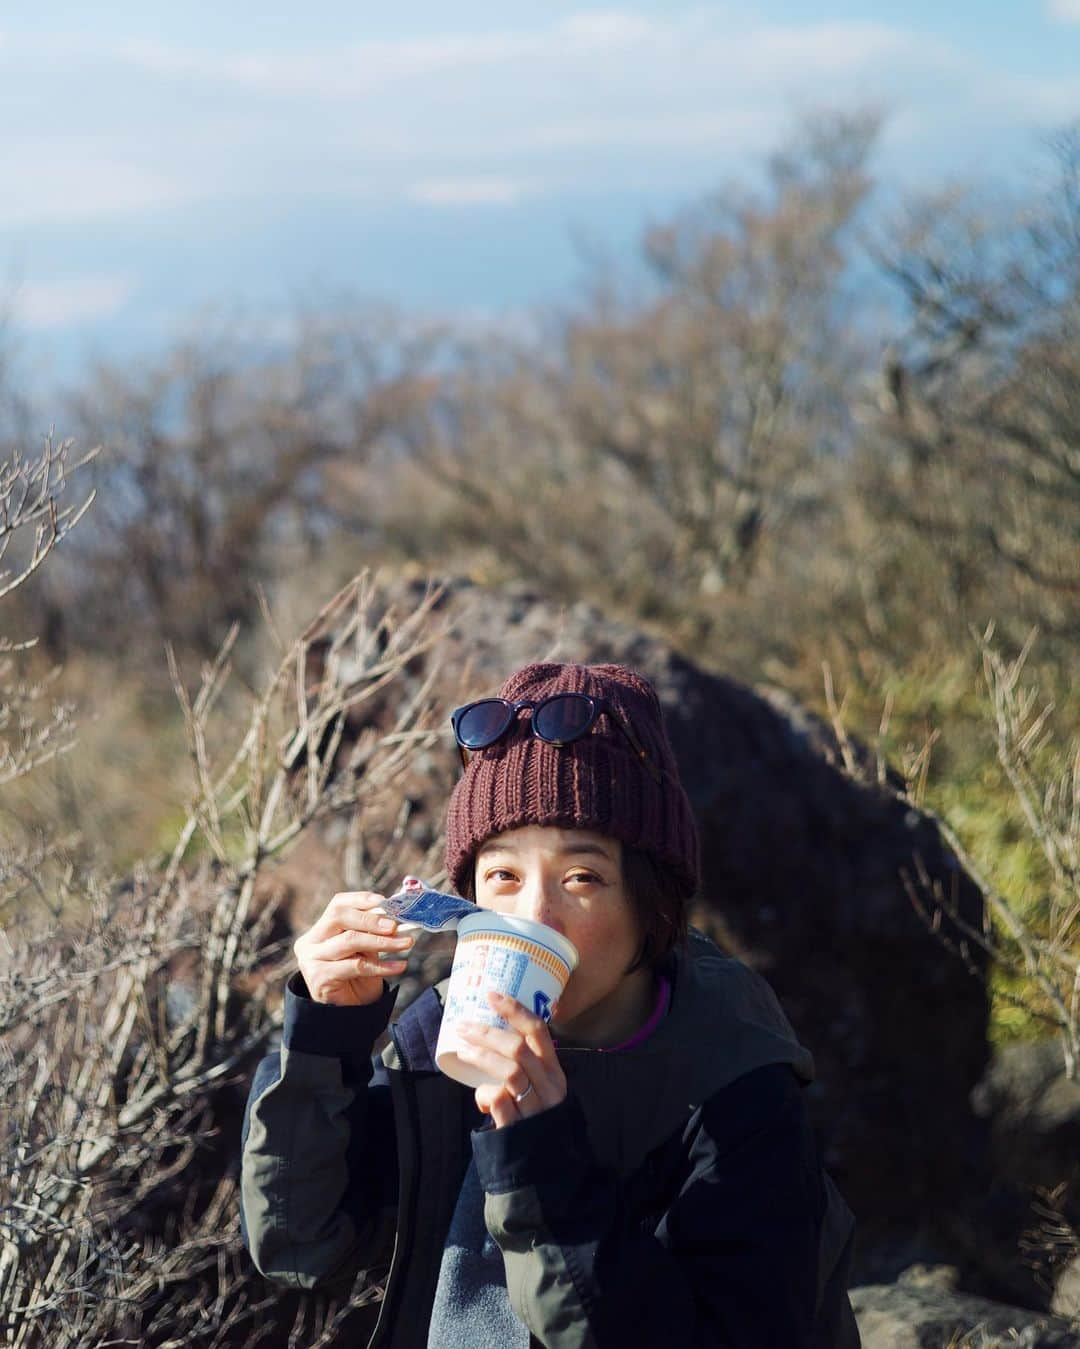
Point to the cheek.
(605, 943)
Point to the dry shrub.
(126, 1033)
(225, 462)
(656, 453)
(1037, 943)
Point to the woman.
(641, 1170)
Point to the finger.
(511, 1044)
(516, 1014)
(494, 1065)
(361, 943)
(356, 967)
(532, 1028)
(485, 1094)
(497, 1103)
(351, 909)
(505, 1111)
(517, 1071)
(545, 1072)
(321, 942)
(510, 1077)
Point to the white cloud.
(356, 69)
(347, 71)
(1050, 101)
(78, 178)
(607, 28)
(823, 48)
(469, 192)
(603, 99)
(652, 51)
(1064, 11)
(43, 305)
(743, 126)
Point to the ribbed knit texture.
(594, 783)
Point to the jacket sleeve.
(732, 1262)
(318, 1184)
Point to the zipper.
(382, 1325)
(403, 1058)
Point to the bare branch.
(107, 1089)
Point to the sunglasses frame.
(597, 707)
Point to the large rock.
(1032, 1109)
(806, 875)
(917, 1315)
(1066, 1299)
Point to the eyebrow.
(590, 849)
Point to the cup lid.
(512, 925)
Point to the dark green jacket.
(675, 1195)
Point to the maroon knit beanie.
(594, 783)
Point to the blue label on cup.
(506, 970)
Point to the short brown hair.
(657, 898)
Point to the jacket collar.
(723, 1022)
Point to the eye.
(497, 873)
(586, 877)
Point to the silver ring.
(525, 1093)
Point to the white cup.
(498, 952)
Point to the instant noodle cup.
(500, 953)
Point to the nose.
(539, 903)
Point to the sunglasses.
(558, 720)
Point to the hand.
(339, 953)
(520, 1056)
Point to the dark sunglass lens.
(563, 718)
(482, 724)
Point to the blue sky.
(157, 160)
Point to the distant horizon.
(170, 164)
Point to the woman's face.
(571, 879)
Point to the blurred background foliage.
(808, 442)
